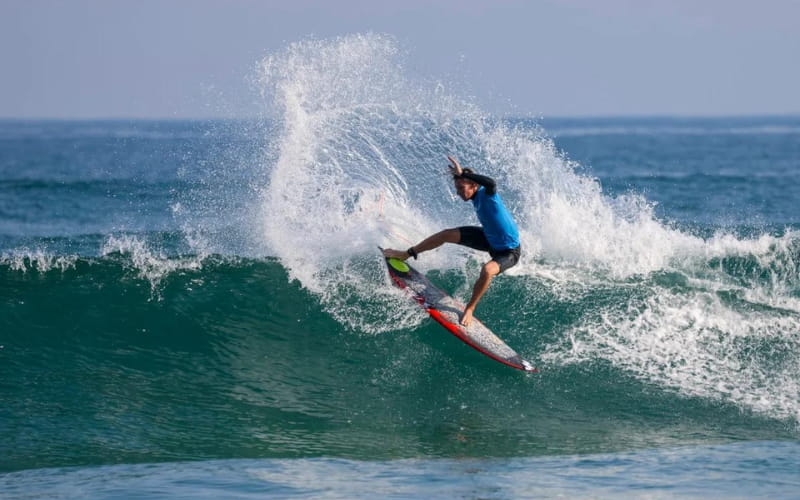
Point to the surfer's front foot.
(466, 318)
(395, 254)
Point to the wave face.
(210, 290)
(226, 358)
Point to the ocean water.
(198, 308)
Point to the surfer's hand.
(454, 167)
(395, 254)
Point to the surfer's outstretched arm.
(459, 172)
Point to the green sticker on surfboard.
(398, 265)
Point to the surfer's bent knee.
(507, 258)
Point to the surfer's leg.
(473, 237)
(506, 258)
(488, 272)
(452, 235)
(499, 263)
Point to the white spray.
(360, 162)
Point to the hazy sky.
(192, 58)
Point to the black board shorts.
(474, 237)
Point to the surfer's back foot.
(466, 318)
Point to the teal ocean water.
(198, 309)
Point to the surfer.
(497, 235)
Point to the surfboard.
(447, 312)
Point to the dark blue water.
(696, 174)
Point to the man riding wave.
(498, 233)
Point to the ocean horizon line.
(521, 116)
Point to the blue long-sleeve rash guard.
(498, 224)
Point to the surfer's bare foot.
(466, 318)
(395, 254)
